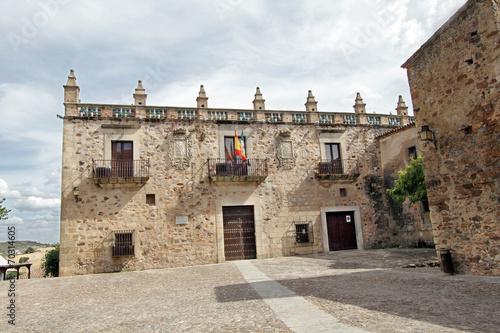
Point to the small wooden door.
(122, 159)
(341, 231)
(239, 232)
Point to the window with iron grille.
(124, 243)
(302, 233)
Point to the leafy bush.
(23, 259)
(411, 183)
(29, 250)
(50, 264)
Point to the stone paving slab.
(366, 290)
(370, 290)
(191, 299)
(296, 313)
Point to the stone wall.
(410, 224)
(454, 80)
(174, 212)
(286, 196)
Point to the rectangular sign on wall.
(181, 220)
(348, 219)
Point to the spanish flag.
(238, 150)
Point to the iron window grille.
(123, 243)
(303, 232)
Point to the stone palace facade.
(148, 187)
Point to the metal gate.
(239, 232)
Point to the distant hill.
(21, 246)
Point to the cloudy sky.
(286, 47)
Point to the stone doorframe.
(236, 200)
(357, 224)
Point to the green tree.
(411, 183)
(29, 249)
(23, 259)
(3, 211)
(50, 265)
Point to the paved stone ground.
(361, 290)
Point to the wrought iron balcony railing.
(120, 168)
(338, 169)
(227, 170)
(120, 171)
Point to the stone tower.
(311, 104)
(202, 98)
(140, 95)
(402, 109)
(359, 106)
(258, 101)
(71, 90)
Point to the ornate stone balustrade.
(124, 112)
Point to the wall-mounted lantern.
(76, 193)
(427, 135)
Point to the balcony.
(126, 173)
(254, 170)
(340, 171)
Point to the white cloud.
(34, 192)
(31, 199)
(6, 193)
(53, 176)
(36, 204)
(12, 220)
(42, 228)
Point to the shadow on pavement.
(455, 304)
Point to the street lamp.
(76, 192)
(427, 135)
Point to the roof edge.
(394, 131)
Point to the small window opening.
(474, 37)
(203, 105)
(150, 199)
(343, 192)
(140, 103)
(467, 129)
(412, 152)
(260, 107)
(426, 206)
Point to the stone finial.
(71, 78)
(402, 109)
(359, 106)
(258, 101)
(311, 104)
(140, 95)
(71, 90)
(202, 99)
